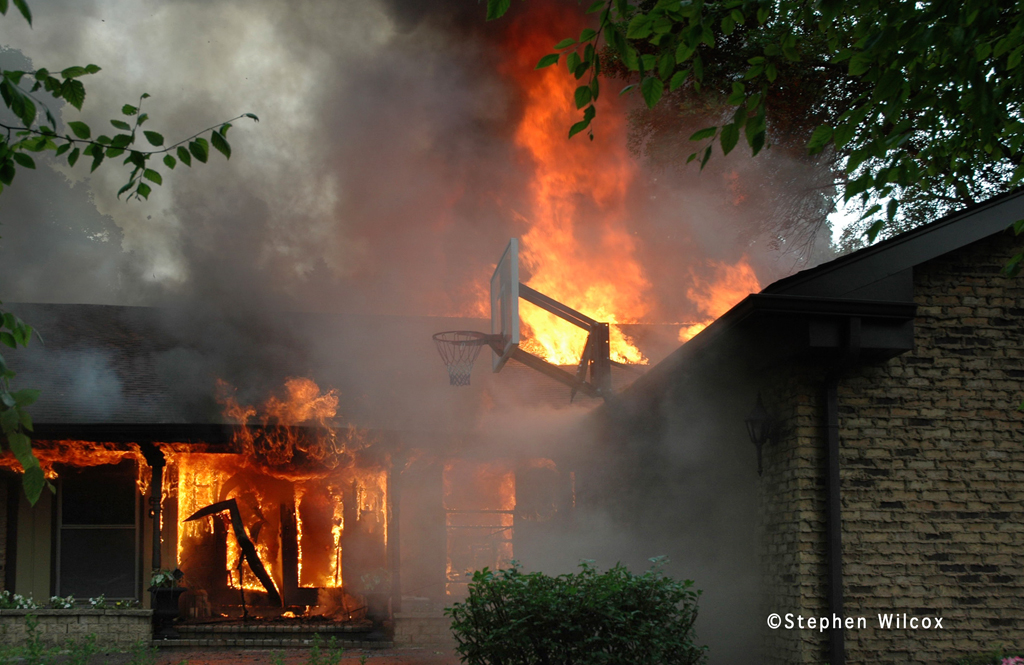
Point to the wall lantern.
(759, 427)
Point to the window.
(97, 547)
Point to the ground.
(301, 656)
(279, 657)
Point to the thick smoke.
(381, 182)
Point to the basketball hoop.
(458, 349)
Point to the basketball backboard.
(505, 303)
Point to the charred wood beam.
(249, 553)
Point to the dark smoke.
(377, 191)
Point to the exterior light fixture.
(759, 427)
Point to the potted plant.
(165, 592)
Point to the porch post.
(155, 459)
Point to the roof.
(137, 373)
(860, 302)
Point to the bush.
(587, 618)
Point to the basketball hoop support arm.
(596, 354)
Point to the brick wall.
(418, 630)
(792, 514)
(117, 630)
(932, 453)
(933, 469)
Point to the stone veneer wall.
(114, 629)
(420, 630)
(932, 477)
(792, 515)
(933, 469)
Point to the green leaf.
(7, 171)
(42, 74)
(97, 159)
(122, 140)
(23, 8)
(121, 124)
(547, 61)
(220, 144)
(62, 149)
(497, 8)
(738, 93)
(125, 188)
(819, 139)
(843, 134)
(1012, 269)
(578, 127)
(874, 230)
(73, 157)
(74, 92)
(251, 115)
(666, 63)
(7, 339)
(92, 69)
(572, 61)
(73, 72)
(683, 52)
(128, 109)
(587, 35)
(596, 6)
(144, 190)
(169, 162)
(705, 158)
(582, 96)
(154, 138)
(730, 137)
(199, 149)
(565, 43)
(26, 396)
(755, 132)
(152, 176)
(705, 133)
(183, 155)
(651, 88)
(678, 79)
(24, 160)
(80, 129)
(639, 27)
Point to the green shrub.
(586, 618)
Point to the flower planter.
(165, 611)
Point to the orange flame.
(80, 454)
(578, 249)
(714, 298)
(479, 502)
(310, 473)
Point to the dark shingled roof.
(132, 373)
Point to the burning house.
(335, 504)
